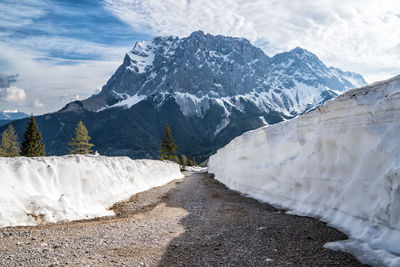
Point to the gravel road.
(194, 221)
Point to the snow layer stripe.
(75, 187)
(340, 163)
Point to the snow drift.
(52, 189)
(340, 163)
(195, 169)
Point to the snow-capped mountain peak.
(203, 66)
(354, 78)
(141, 56)
(203, 72)
(302, 53)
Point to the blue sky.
(57, 51)
(60, 50)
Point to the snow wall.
(339, 163)
(52, 189)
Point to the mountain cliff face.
(208, 88)
(203, 68)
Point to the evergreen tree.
(192, 162)
(184, 160)
(168, 146)
(31, 145)
(9, 143)
(80, 143)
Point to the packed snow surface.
(52, 189)
(340, 163)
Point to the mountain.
(201, 68)
(7, 116)
(208, 88)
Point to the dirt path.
(190, 222)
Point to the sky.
(55, 51)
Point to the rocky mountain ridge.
(203, 68)
(210, 89)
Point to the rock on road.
(195, 221)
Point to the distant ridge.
(6, 116)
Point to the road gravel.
(195, 221)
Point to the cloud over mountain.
(349, 34)
(9, 92)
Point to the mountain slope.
(208, 88)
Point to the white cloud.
(48, 79)
(14, 94)
(37, 103)
(16, 14)
(69, 98)
(42, 75)
(69, 46)
(361, 36)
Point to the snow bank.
(195, 169)
(53, 189)
(340, 163)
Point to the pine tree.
(80, 143)
(9, 143)
(184, 160)
(192, 162)
(168, 146)
(31, 144)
